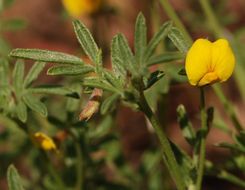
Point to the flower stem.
(174, 17)
(228, 107)
(169, 156)
(201, 162)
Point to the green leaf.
(86, 40)
(157, 38)
(185, 163)
(70, 70)
(12, 25)
(21, 111)
(182, 72)
(140, 38)
(113, 80)
(98, 83)
(102, 129)
(117, 61)
(165, 58)
(35, 104)
(18, 77)
(185, 125)
(231, 146)
(108, 103)
(125, 52)
(58, 90)
(4, 69)
(33, 73)
(178, 39)
(46, 56)
(14, 181)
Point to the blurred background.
(48, 25)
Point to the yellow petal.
(78, 8)
(223, 60)
(44, 141)
(198, 60)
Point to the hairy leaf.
(178, 39)
(33, 73)
(70, 70)
(140, 38)
(21, 111)
(18, 77)
(108, 103)
(157, 38)
(46, 56)
(59, 90)
(86, 40)
(35, 104)
(14, 181)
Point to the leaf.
(4, 69)
(178, 39)
(70, 70)
(185, 125)
(35, 104)
(14, 181)
(97, 83)
(46, 56)
(140, 38)
(185, 163)
(125, 53)
(102, 129)
(113, 80)
(18, 77)
(164, 58)
(12, 25)
(4, 47)
(86, 40)
(182, 72)
(108, 103)
(157, 38)
(117, 61)
(21, 111)
(231, 146)
(154, 77)
(58, 90)
(33, 73)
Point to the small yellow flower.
(208, 62)
(44, 141)
(78, 8)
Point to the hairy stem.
(169, 156)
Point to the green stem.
(201, 163)
(169, 156)
(80, 167)
(231, 178)
(228, 107)
(214, 25)
(174, 17)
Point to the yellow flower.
(44, 141)
(78, 8)
(208, 62)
